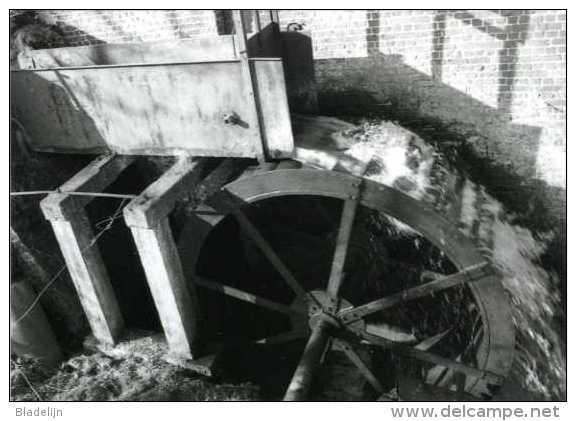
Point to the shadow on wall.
(498, 154)
(512, 36)
(502, 155)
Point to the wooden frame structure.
(170, 270)
(173, 286)
(74, 234)
(199, 97)
(246, 116)
(147, 217)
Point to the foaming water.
(389, 154)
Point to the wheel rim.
(495, 352)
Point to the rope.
(74, 193)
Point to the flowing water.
(389, 154)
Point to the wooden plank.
(411, 352)
(428, 343)
(283, 337)
(248, 79)
(246, 296)
(77, 243)
(360, 364)
(90, 276)
(273, 105)
(154, 110)
(95, 177)
(225, 172)
(175, 302)
(185, 50)
(152, 206)
(341, 251)
(269, 252)
(147, 217)
(471, 274)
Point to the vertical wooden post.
(248, 76)
(147, 217)
(76, 240)
(90, 277)
(175, 304)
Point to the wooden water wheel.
(435, 326)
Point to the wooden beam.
(77, 243)
(147, 217)
(219, 48)
(247, 297)
(303, 377)
(284, 337)
(90, 277)
(468, 275)
(414, 353)
(360, 364)
(341, 250)
(248, 79)
(95, 177)
(250, 229)
(174, 300)
(159, 198)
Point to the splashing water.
(389, 154)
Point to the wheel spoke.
(393, 333)
(309, 362)
(428, 343)
(470, 274)
(273, 258)
(417, 354)
(247, 296)
(283, 337)
(341, 250)
(360, 364)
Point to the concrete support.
(76, 240)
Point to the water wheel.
(338, 274)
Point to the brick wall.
(494, 75)
(496, 79)
(84, 27)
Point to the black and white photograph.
(271, 205)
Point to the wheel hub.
(319, 306)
